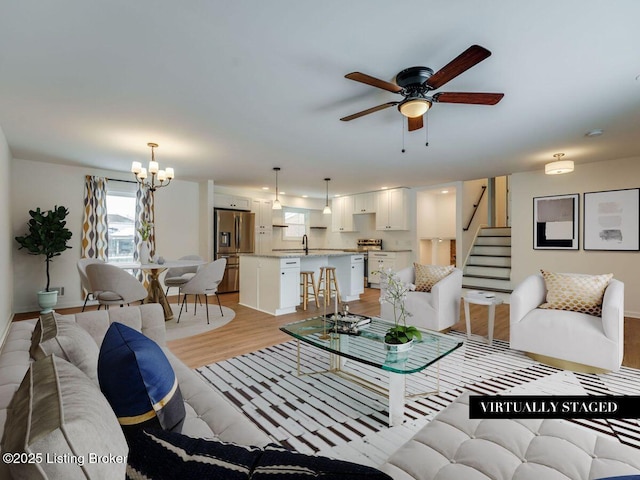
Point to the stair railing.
(473, 244)
(475, 208)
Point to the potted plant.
(47, 236)
(399, 337)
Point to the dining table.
(154, 288)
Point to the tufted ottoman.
(454, 447)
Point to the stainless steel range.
(364, 245)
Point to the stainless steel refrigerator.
(233, 234)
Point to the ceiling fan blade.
(373, 81)
(415, 123)
(468, 97)
(463, 62)
(368, 111)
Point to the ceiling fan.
(416, 83)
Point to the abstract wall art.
(555, 222)
(612, 220)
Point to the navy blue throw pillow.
(138, 381)
(162, 455)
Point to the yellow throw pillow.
(575, 292)
(428, 275)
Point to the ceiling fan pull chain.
(426, 130)
(402, 125)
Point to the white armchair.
(565, 339)
(435, 310)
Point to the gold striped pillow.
(575, 292)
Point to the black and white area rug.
(330, 416)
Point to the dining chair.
(178, 276)
(204, 282)
(114, 285)
(84, 280)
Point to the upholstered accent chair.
(205, 282)
(114, 286)
(568, 339)
(84, 279)
(436, 310)
(178, 276)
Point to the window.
(121, 214)
(296, 221)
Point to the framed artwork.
(555, 222)
(612, 220)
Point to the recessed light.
(384, 188)
(594, 133)
(444, 191)
(305, 196)
(265, 188)
(283, 193)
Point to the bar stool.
(309, 292)
(328, 284)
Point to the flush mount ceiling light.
(276, 203)
(594, 133)
(414, 107)
(327, 209)
(559, 166)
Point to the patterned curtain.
(95, 229)
(144, 212)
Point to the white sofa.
(583, 340)
(435, 310)
(208, 414)
(454, 447)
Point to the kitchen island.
(270, 282)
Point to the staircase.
(489, 264)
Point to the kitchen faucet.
(305, 244)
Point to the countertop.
(301, 254)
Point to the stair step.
(489, 260)
(495, 232)
(493, 276)
(499, 240)
(491, 250)
(482, 283)
(483, 271)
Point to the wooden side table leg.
(467, 318)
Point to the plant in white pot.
(401, 335)
(47, 236)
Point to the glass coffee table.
(367, 346)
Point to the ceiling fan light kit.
(416, 83)
(414, 107)
(559, 167)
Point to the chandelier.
(158, 177)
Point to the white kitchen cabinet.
(342, 214)
(234, 202)
(365, 203)
(270, 284)
(381, 260)
(391, 209)
(264, 225)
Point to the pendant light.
(327, 209)
(276, 202)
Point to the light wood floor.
(251, 330)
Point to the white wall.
(44, 185)
(6, 240)
(609, 175)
